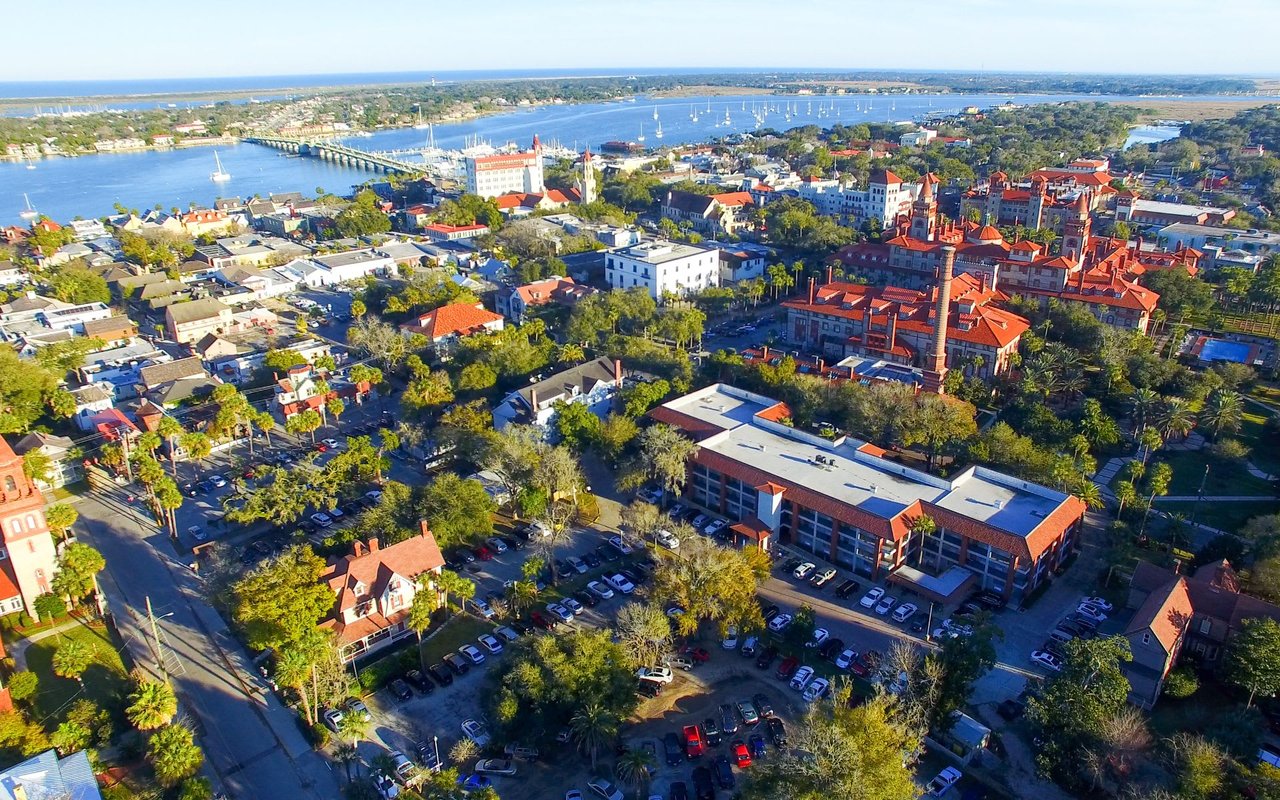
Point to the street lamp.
(435, 740)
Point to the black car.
(770, 612)
(847, 588)
(728, 718)
(777, 732)
(724, 772)
(523, 628)
(831, 648)
(609, 552)
(703, 788)
(457, 663)
(1010, 710)
(679, 791)
(586, 598)
(463, 555)
(593, 560)
(631, 576)
(401, 689)
(648, 688)
(416, 679)
(711, 731)
(189, 489)
(440, 674)
(991, 600)
(766, 657)
(763, 707)
(673, 748)
(791, 565)
(511, 542)
(969, 608)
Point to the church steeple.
(587, 181)
(924, 211)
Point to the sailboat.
(28, 212)
(658, 133)
(727, 121)
(218, 175)
(420, 125)
(655, 112)
(693, 113)
(708, 105)
(30, 164)
(640, 138)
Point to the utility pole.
(1199, 498)
(157, 648)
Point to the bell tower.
(1075, 231)
(30, 554)
(924, 211)
(587, 182)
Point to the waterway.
(88, 186)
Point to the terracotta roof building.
(374, 587)
(1156, 634)
(710, 215)
(490, 176)
(513, 302)
(843, 501)
(443, 326)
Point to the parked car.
(831, 648)
(846, 657)
(747, 713)
(620, 584)
(711, 731)
(777, 732)
(600, 590)
(577, 565)
(723, 772)
(490, 643)
(657, 674)
(801, 572)
(322, 519)
(672, 749)
(741, 755)
(357, 708)
(944, 780)
(560, 612)
(668, 539)
(823, 577)
(1046, 660)
(506, 633)
(787, 668)
(496, 545)
(780, 622)
(715, 528)
(903, 612)
(703, 786)
(1091, 612)
(604, 789)
(801, 678)
(575, 608)
(621, 544)
(440, 674)
(520, 752)
(457, 663)
(693, 744)
(847, 588)
(1100, 602)
(766, 657)
(400, 689)
(730, 641)
(750, 646)
(816, 689)
(417, 680)
(496, 766)
(476, 731)
(885, 604)
(472, 652)
(333, 718)
(756, 744)
(872, 597)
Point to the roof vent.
(998, 504)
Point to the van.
(1059, 635)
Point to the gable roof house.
(710, 215)
(594, 384)
(513, 302)
(90, 400)
(188, 323)
(1156, 635)
(374, 587)
(169, 384)
(113, 331)
(48, 776)
(64, 458)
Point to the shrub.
(318, 735)
(23, 685)
(1229, 450)
(1182, 682)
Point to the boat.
(218, 175)
(28, 212)
(617, 146)
(420, 125)
(708, 105)
(727, 120)
(640, 138)
(658, 133)
(30, 164)
(693, 113)
(655, 112)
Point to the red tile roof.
(734, 199)
(457, 319)
(505, 161)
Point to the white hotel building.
(662, 266)
(491, 176)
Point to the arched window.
(10, 485)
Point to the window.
(9, 484)
(1146, 638)
(16, 525)
(1206, 625)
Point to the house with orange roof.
(502, 173)
(1156, 634)
(204, 220)
(710, 215)
(514, 302)
(843, 501)
(445, 325)
(374, 586)
(886, 198)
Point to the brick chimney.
(357, 548)
(812, 288)
(423, 528)
(893, 330)
(533, 400)
(936, 370)
(829, 272)
(373, 544)
(764, 352)
(617, 372)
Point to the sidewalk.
(17, 649)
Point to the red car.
(741, 754)
(321, 447)
(693, 745)
(787, 667)
(697, 655)
(484, 553)
(865, 663)
(542, 621)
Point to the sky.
(101, 41)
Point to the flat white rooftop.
(840, 470)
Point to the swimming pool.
(1223, 350)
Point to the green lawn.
(459, 630)
(1224, 516)
(105, 682)
(1225, 479)
(1262, 453)
(1197, 712)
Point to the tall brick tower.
(31, 558)
(935, 371)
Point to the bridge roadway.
(338, 154)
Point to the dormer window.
(360, 590)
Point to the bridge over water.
(338, 154)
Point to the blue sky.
(94, 40)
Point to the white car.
(1101, 603)
(579, 566)
(333, 718)
(373, 495)
(677, 511)
(730, 638)
(821, 578)
(816, 689)
(846, 658)
(715, 527)
(1091, 612)
(618, 542)
(322, 519)
(820, 635)
(620, 584)
(218, 481)
(573, 605)
(604, 789)
(332, 444)
(872, 597)
(197, 533)
(699, 522)
(801, 678)
(560, 612)
(507, 633)
(476, 732)
(804, 569)
(885, 604)
(484, 608)
(490, 643)
(904, 612)
(1047, 660)
(750, 647)
(496, 766)
(655, 674)
(945, 780)
(542, 528)
(472, 652)
(779, 622)
(668, 540)
(600, 590)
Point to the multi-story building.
(187, 323)
(594, 384)
(1252, 241)
(513, 302)
(374, 587)
(28, 559)
(1131, 208)
(842, 501)
(709, 214)
(445, 325)
(885, 199)
(663, 267)
(490, 176)
(1046, 199)
(898, 325)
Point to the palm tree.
(924, 527)
(151, 705)
(633, 768)
(1175, 418)
(1089, 492)
(449, 583)
(1223, 411)
(593, 727)
(346, 754)
(1143, 402)
(425, 602)
(170, 429)
(1126, 494)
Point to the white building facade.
(662, 267)
(490, 176)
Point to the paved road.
(252, 744)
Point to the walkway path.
(17, 649)
(1107, 474)
(1247, 498)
